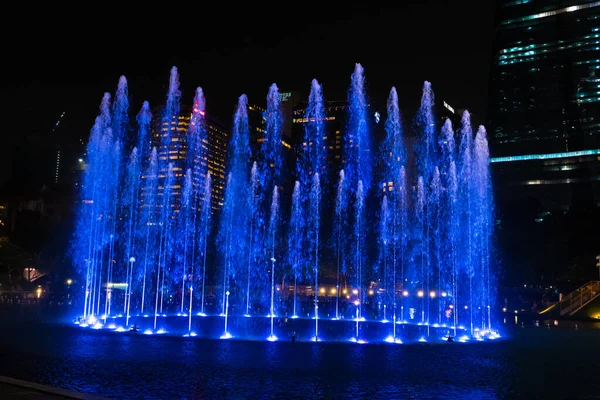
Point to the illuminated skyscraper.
(212, 157)
(335, 125)
(544, 117)
(257, 126)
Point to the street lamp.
(357, 304)
(128, 289)
(226, 335)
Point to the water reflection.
(121, 366)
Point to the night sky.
(71, 58)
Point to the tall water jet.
(465, 195)
(313, 152)
(401, 232)
(393, 155)
(426, 161)
(384, 265)
(447, 147)
(120, 117)
(449, 214)
(434, 200)
(199, 178)
(272, 148)
(205, 218)
(105, 195)
(196, 136)
(269, 170)
(169, 120)
(357, 144)
(186, 222)
(357, 154)
(296, 242)
(421, 228)
(252, 210)
(359, 208)
(273, 222)
(119, 130)
(340, 219)
(133, 198)
(163, 247)
(483, 223)
(233, 216)
(130, 203)
(85, 245)
(149, 218)
(393, 152)
(315, 162)
(226, 232)
(453, 235)
(314, 218)
(425, 125)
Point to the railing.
(579, 298)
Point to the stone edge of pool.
(43, 389)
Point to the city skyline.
(243, 61)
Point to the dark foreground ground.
(15, 389)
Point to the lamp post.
(87, 289)
(226, 334)
(128, 289)
(357, 304)
(190, 312)
(272, 313)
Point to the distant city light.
(448, 107)
(548, 156)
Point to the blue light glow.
(324, 248)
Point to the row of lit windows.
(546, 156)
(535, 46)
(516, 59)
(531, 54)
(553, 12)
(303, 120)
(560, 181)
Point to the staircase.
(579, 298)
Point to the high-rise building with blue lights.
(544, 117)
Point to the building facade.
(544, 116)
(212, 157)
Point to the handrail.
(579, 298)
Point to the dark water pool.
(533, 363)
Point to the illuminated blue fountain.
(391, 243)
